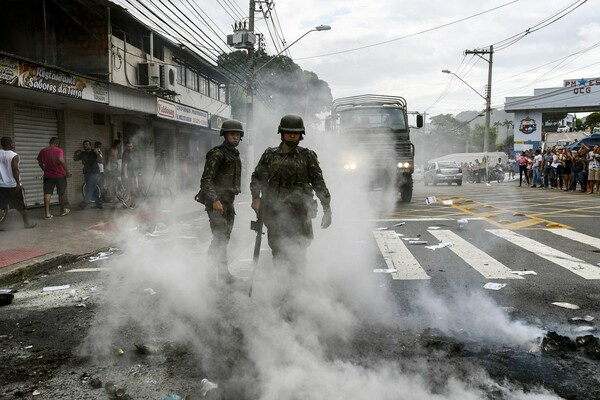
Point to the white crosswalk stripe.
(575, 265)
(482, 262)
(397, 256)
(577, 236)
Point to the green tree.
(507, 144)
(476, 138)
(510, 125)
(593, 120)
(449, 135)
(280, 87)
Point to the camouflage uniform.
(221, 181)
(286, 182)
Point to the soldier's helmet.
(232, 125)
(291, 123)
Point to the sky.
(400, 47)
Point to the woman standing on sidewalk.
(523, 169)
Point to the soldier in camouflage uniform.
(282, 189)
(219, 185)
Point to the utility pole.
(250, 94)
(488, 94)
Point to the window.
(214, 90)
(180, 69)
(191, 79)
(223, 93)
(203, 85)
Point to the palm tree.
(509, 125)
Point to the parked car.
(443, 171)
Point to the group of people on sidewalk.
(52, 162)
(561, 168)
(282, 187)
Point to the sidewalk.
(25, 252)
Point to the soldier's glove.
(326, 220)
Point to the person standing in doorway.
(51, 160)
(219, 185)
(91, 174)
(11, 192)
(282, 187)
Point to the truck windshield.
(373, 118)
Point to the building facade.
(88, 69)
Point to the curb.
(27, 269)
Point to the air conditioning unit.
(149, 74)
(168, 77)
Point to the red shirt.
(49, 157)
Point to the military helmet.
(291, 123)
(232, 125)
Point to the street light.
(488, 107)
(316, 29)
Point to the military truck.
(376, 132)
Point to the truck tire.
(406, 189)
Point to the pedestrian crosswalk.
(398, 255)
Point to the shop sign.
(181, 113)
(50, 80)
(581, 86)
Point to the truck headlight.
(350, 166)
(403, 165)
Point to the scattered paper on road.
(447, 202)
(587, 318)
(407, 239)
(462, 222)
(566, 305)
(399, 224)
(434, 227)
(439, 245)
(53, 288)
(381, 228)
(494, 286)
(385, 271)
(417, 242)
(522, 273)
(430, 200)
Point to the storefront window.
(191, 79)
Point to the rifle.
(256, 226)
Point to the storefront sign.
(581, 86)
(216, 121)
(182, 113)
(50, 80)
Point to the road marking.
(482, 262)
(397, 256)
(577, 236)
(575, 265)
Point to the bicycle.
(111, 189)
(5, 208)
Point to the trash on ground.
(399, 224)
(555, 342)
(173, 397)
(206, 386)
(2, 291)
(385, 271)
(417, 242)
(36, 393)
(579, 320)
(144, 348)
(54, 288)
(434, 227)
(462, 222)
(381, 228)
(494, 286)
(119, 351)
(6, 299)
(407, 239)
(440, 245)
(447, 202)
(522, 273)
(150, 291)
(80, 305)
(566, 305)
(114, 390)
(430, 200)
(584, 329)
(97, 258)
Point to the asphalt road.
(423, 326)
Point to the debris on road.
(206, 386)
(430, 200)
(145, 349)
(494, 286)
(55, 288)
(385, 271)
(439, 246)
(566, 305)
(580, 320)
(447, 202)
(522, 273)
(417, 242)
(399, 224)
(381, 228)
(462, 222)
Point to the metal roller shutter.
(34, 126)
